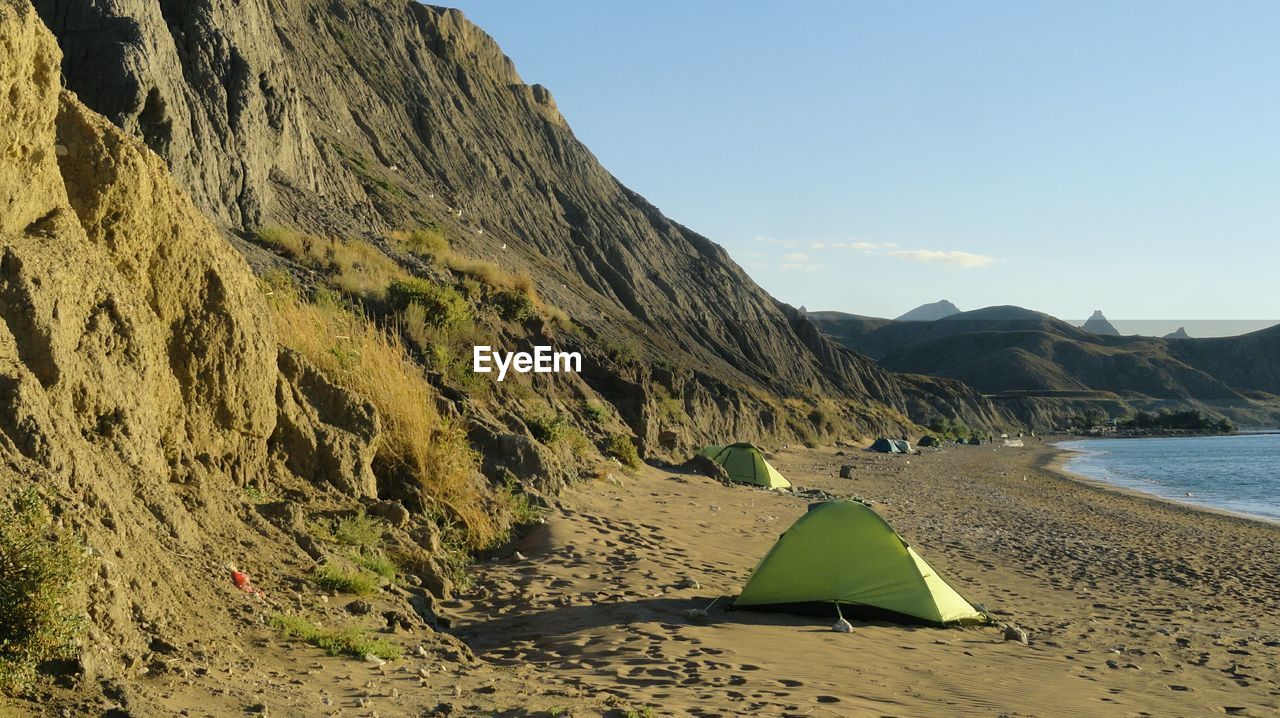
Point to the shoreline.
(1055, 460)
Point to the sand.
(1185, 604)
(1135, 606)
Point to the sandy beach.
(1135, 606)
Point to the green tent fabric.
(746, 465)
(902, 445)
(843, 552)
(885, 446)
(928, 440)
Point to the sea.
(1238, 473)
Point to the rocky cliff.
(349, 117)
(144, 398)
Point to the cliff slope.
(350, 117)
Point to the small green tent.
(746, 465)
(885, 446)
(843, 552)
(928, 440)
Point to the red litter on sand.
(242, 582)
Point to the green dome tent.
(885, 446)
(928, 440)
(843, 552)
(746, 465)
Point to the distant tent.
(746, 465)
(974, 441)
(1014, 443)
(843, 552)
(902, 445)
(928, 440)
(885, 446)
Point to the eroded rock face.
(324, 433)
(349, 116)
(137, 376)
(128, 323)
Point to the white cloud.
(954, 258)
(797, 262)
(794, 260)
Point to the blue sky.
(872, 156)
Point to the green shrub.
(514, 305)
(598, 413)
(333, 578)
(39, 570)
(548, 427)
(336, 643)
(523, 510)
(443, 305)
(623, 449)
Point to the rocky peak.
(1098, 324)
(940, 309)
(1181, 333)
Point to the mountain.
(1044, 370)
(353, 117)
(930, 312)
(1181, 333)
(1099, 325)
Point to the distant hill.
(1181, 333)
(930, 312)
(1098, 324)
(1043, 368)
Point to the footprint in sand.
(790, 683)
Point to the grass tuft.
(333, 578)
(427, 242)
(376, 563)
(336, 643)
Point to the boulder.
(707, 467)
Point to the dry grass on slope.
(354, 266)
(417, 443)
